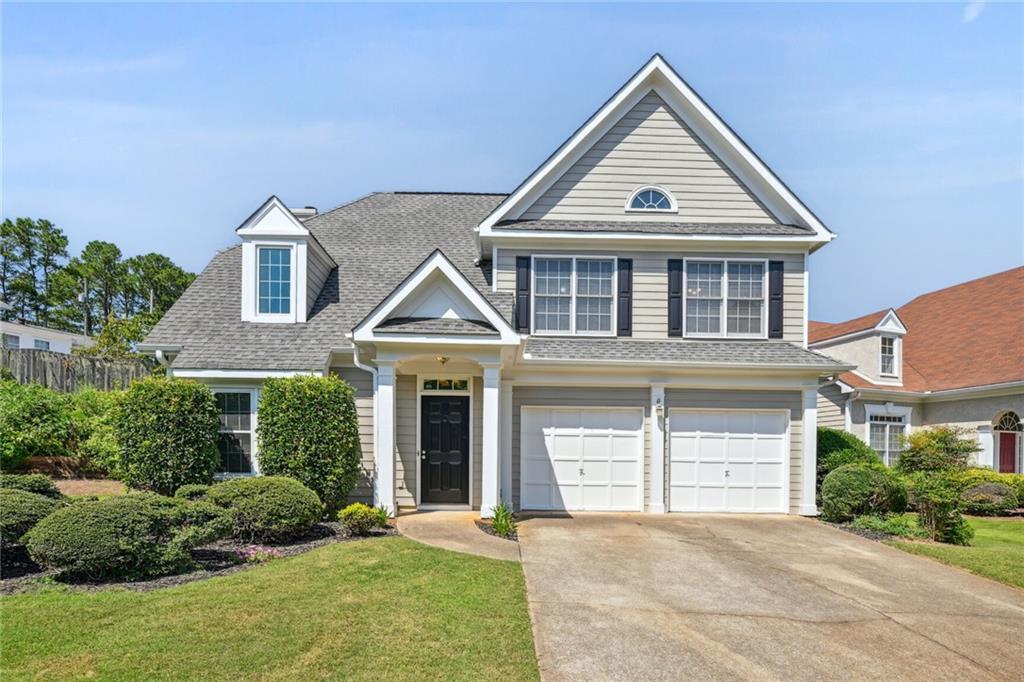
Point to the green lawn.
(997, 550)
(378, 609)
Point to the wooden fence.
(70, 372)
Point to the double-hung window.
(236, 431)
(888, 357)
(275, 280)
(733, 290)
(574, 296)
(886, 436)
(12, 341)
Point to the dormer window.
(888, 356)
(275, 280)
(651, 199)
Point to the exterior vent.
(304, 212)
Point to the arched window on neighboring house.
(650, 199)
(1007, 428)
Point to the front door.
(444, 449)
(1007, 452)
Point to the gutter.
(948, 394)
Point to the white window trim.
(8, 338)
(572, 295)
(886, 410)
(895, 373)
(725, 298)
(420, 378)
(290, 316)
(254, 397)
(672, 206)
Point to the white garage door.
(581, 459)
(728, 461)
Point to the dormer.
(873, 342)
(283, 265)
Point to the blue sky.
(161, 127)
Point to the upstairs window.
(888, 358)
(650, 199)
(574, 296)
(275, 280)
(734, 290)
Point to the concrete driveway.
(645, 597)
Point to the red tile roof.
(970, 334)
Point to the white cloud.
(972, 10)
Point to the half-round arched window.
(650, 199)
(1008, 421)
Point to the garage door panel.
(731, 461)
(589, 459)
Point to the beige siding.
(545, 396)
(650, 145)
(650, 286)
(831, 407)
(317, 270)
(405, 440)
(791, 400)
(362, 382)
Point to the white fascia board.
(497, 236)
(968, 393)
(436, 262)
(437, 339)
(890, 324)
(241, 373)
(272, 218)
(657, 75)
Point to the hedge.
(976, 475)
(268, 508)
(856, 489)
(94, 441)
(309, 430)
(986, 499)
(33, 483)
(166, 432)
(34, 421)
(20, 511)
(135, 536)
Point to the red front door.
(1007, 452)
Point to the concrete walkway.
(681, 597)
(457, 531)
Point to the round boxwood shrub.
(359, 518)
(34, 421)
(192, 491)
(308, 430)
(836, 448)
(166, 431)
(268, 508)
(856, 489)
(987, 499)
(33, 483)
(134, 536)
(20, 511)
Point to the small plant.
(940, 448)
(359, 518)
(33, 483)
(258, 554)
(890, 524)
(383, 516)
(20, 511)
(270, 509)
(936, 496)
(856, 489)
(503, 523)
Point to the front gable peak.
(272, 219)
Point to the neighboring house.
(953, 356)
(626, 330)
(19, 335)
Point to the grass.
(378, 609)
(997, 550)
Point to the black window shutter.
(775, 299)
(625, 311)
(522, 314)
(675, 297)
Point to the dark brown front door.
(1007, 452)
(444, 449)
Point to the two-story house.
(626, 330)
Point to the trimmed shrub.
(166, 431)
(95, 442)
(134, 536)
(936, 496)
(890, 524)
(973, 476)
(20, 511)
(308, 430)
(268, 508)
(192, 492)
(834, 440)
(503, 523)
(33, 422)
(837, 458)
(856, 489)
(940, 448)
(33, 483)
(359, 518)
(987, 499)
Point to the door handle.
(423, 454)
(727, 473)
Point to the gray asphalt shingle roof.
(629, 350)
(668, 228)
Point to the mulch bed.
(865, 532)
(488, 528)
(18, 573)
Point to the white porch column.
(657, 449)
(491, 441)
(506, 442)
(809, 468)
(986, 456)
(384, 428)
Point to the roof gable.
(272, 219)
(658, 77)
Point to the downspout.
(373, 373)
